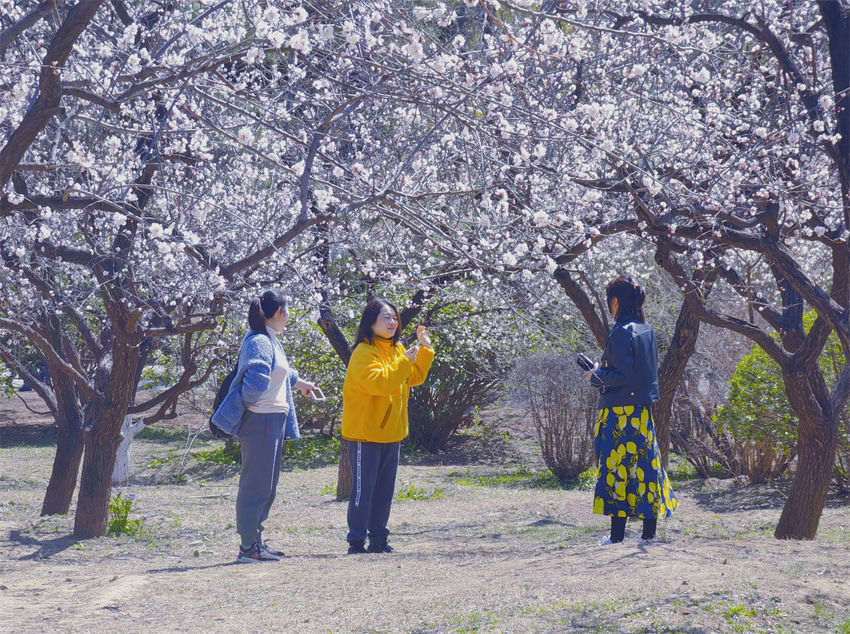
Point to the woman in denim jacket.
(632, 481)
(259, 409)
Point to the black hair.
(264, 307)
(370, 316)
(629, 296)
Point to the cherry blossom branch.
(50, 352)
(11, 33)
(40, 388)
(46, 106)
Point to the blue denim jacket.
(256, 360)
(629, 372)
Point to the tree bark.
(66, 466)
(69, 445)
(671, 371)
(104, 437)
(344, 482)
(101, 444)
(63, 476)
(816, 444)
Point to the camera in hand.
(584, 362)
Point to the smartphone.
(584, 362)
(317, 394)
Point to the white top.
(273, 400)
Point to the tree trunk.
(103, 439)
(69, 446)
(817, 441)
(63, 477)
(344, 482)
(672, 370)
(96, 483)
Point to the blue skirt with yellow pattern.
(632, 481)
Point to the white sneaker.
(606, 542)
(652, 540)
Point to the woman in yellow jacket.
(374, 418)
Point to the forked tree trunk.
(69, 447)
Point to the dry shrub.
(563, 408)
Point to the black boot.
(379, 547)
(356, 548)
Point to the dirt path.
(469, 557)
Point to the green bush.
(312, 451)
(759, 416)
(119, 518)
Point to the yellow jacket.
(376, 389)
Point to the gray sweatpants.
(374, 466)
(261, 440)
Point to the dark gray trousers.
(261, 440)
(374, 466)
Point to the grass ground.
(485, 541)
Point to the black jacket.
(629, 370)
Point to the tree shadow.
(222, 564)
(754, 497)
(463, 448)
(46, 547)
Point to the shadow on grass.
(46, 547)
(27, 435)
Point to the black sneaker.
(264, 548)
(356, 548)
(379, 548)
(254, 555)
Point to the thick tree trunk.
(817, 439)
(63, 477)
(344, 482)
(816, 446)
(96, 482)
(103, 439)
(672, 370)
(69, 446)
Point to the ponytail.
(256, 321)
(263, 308)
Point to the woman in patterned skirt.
(632, 481)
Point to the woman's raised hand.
(422, 336)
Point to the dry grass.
(489, 554)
